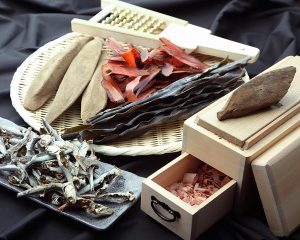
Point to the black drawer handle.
(155, 202)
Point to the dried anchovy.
(98, 210)
(46, 165)
(3, 150)
(111, 197)
(103, 180)
(10, 128)
(177, 101)
(57, 199)
(20, 144)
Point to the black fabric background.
(25, 25)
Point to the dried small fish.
(56, 170)
(83, 161)
(57, 199)
(41, 188)
(8, 127)
(70, 192)
(21, 174)
(3, 150)
(45, 140)
(90, 206)
(260, 92)
(50, 130)
(103, 180)
(21, 143)
(86, 162)
(45, 179)
(115, 197)
(31, 145)
(41, 157)
(91, 178)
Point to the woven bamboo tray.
(162, 139)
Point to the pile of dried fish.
(179, 100)
(67, 173)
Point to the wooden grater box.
(268, 142)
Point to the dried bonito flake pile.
(196, 187)
(133, 74)
(66, 173)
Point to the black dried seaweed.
(177, 101)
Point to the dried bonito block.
(94, 98)
(262, 91)
(47, 81)
(76, 78)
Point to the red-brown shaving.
(195, 188)
(132, 74)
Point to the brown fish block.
(76, 78)
(260, 92)
(46, 83)
(94, 97)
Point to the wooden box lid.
(246, 131)
(277, 176)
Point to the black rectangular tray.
(126, 182)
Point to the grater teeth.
(128, 19)
(110, 18)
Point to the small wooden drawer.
(186, 221)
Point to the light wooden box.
(186, 221)
(268, 142)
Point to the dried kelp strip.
(144, 123)
(166, 105)
(171, 90)
(179, 100)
